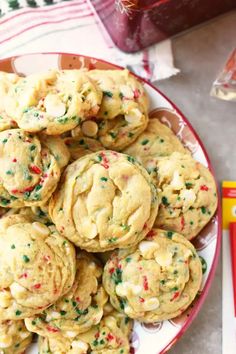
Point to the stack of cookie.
(98, 205)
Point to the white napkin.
(73, 27)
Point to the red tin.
(136, 24)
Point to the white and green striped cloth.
(9, 5)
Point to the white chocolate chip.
(188, 196)
(18, 291)
(5, 341)
(89, 128)
(5, 298)
(41, 229)
(147, 248)
(71, 334)
(79, 344)
(134, 116)
(52, 315)
(127, 91)
(126, 288)
(151, 304)
(163, 259)
(54, 106)
(177, 182)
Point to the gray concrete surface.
(200, 54)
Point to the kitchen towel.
(72, 26)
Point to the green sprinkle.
(125, 227)
(25, 258)
(130, 135)
(126, 320)
(32, 147)
(113, 135)
(17, 345)
(4, 141)
(36, 114)
(204, 264)
(122, 303)
(66, 300)
(169, 234)
(38, 187)
(12, 197)
(9, 172)
(102, 341)
(165, 201)
(13, 247)
(62, 313)
(81, 142)
(175, 288)
(105, 113)
(191, 222)
(162, 282)
(188, 184)
(74, 303)
(4, 201)
(104, 179)
(144, 142)
(178, 198)
(162, 140)
(64, 243)
(25, 110)
(33, 323)
(117, 276)
(131, 159)
(63, 120)
(175, 272)
(121, 351)
(18, 312)
(121, 95)
(108, 93)
(128, 259)
(99, 158)
(95, 343)
(112, 239)
(203, 210)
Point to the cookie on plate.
(53, 101)
(29, 172)
(79, 309)
(105, 200)
(188, 195)
(156, 141)
(123, 112)
(37, 267)
(156, 280)
(14, 337)
(110, 336)
(6, 81)
(81, 145)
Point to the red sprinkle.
(28, 189)
(46, 258)
(52, 329)
(14, 160)
(24, 275)
(35, 169)
(110, 337)
(145, 283)
(97, 335)
(136, 93)
(111, 270)
(145, 226)
(15, 191)
(151, 233)
(77, 299)
(141, 299)
(37, 286)
(182, 223)
(204, 188)
(176, 294)
(106, 166)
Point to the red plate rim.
(210, 278)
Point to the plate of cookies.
(109, 216)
